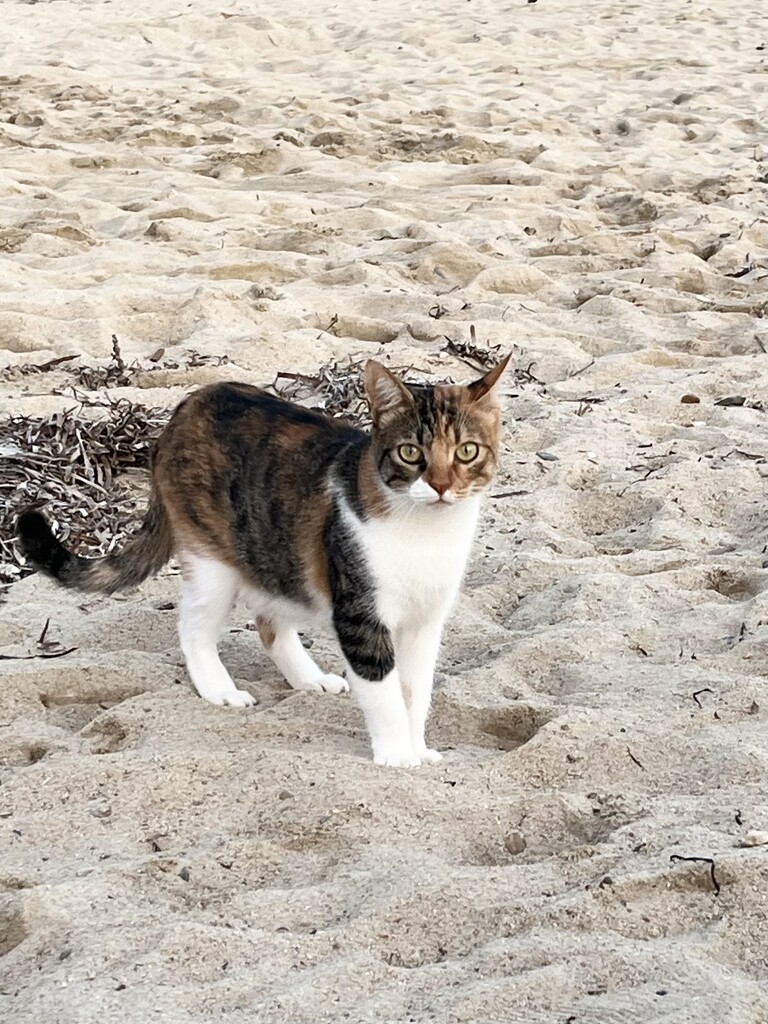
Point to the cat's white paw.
(231, 696)
(333, 684)
(396, 758)
(432, 756)
(328, 683)
(306, 685)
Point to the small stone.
(690, 399)
(515, 842)
(100, 810)
(184, 874)
(285, 794)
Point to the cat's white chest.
(418, 560)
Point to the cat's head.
(435, 445)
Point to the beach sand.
(587, 184)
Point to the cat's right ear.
(386, 393)
(488, 386)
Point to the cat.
(317, 523)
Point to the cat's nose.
(441, 488)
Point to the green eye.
(467, 452)
(409, 453)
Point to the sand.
(584, 182)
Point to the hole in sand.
(13, 931)
(21, 753)
(510, 728)
(107, 734)
(599, 514)
(36, 752)
(736, 585)
(73, 717)
(497, 728)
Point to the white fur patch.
(208, 592)
(421, 492)
(417, 556)
(209, 589)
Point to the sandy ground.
(585, 181)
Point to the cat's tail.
(145, 553)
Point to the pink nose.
(440, 488)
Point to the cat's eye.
(409, 453)
(467, 452)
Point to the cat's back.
(230, 443)
(245, 476)
(233, 412)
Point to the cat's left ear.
(488, 386)
(386, 392)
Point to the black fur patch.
(365, 640)
(40, 546)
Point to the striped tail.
(144, 554)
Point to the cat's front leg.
(386, 718)
(416, 650)
(367, 646)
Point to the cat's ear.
(488, 387)
(386, 393)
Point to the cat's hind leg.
(208, 591)
(286, 650)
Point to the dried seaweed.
(74, 464)
(336, 389)
(485, 357)
(9, 373)
(477, 356)
(117, 373)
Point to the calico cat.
(317, 523)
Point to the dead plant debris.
(74, 465)
(117, 373)
(479, 357)
(336, 388)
